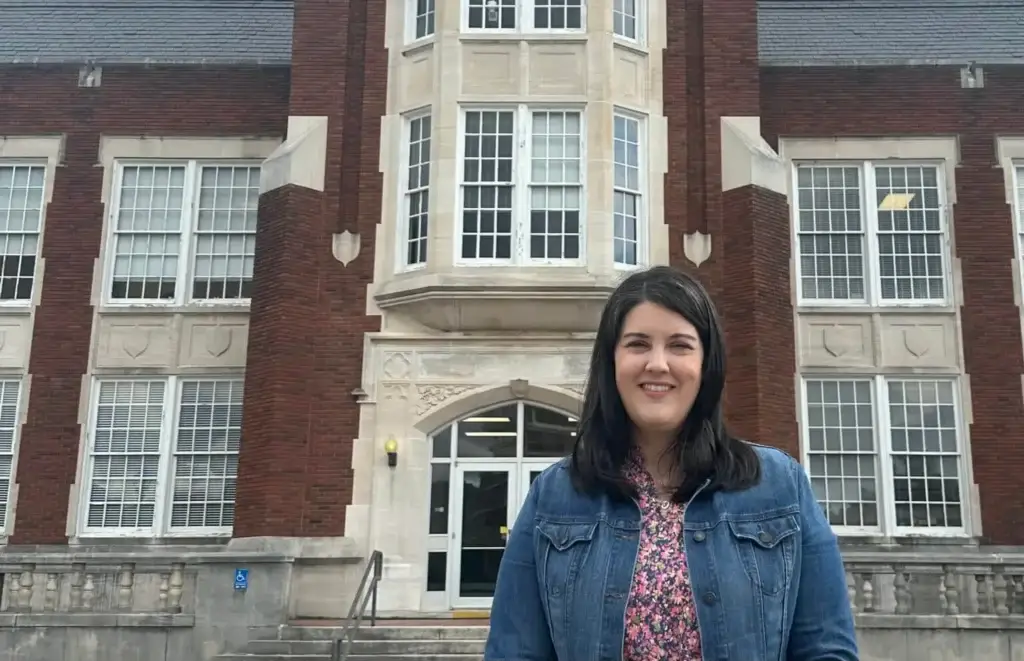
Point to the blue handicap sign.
(241, 579)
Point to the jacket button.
(765, 537)
(710, 598)
(698, 536)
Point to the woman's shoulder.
(776, 465)
(556, 491)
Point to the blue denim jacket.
(764, 563)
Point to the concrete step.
(366, 647)
(353, 657)
(288, 647)
(382, 632)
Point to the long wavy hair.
(704, 449)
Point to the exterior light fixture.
(391, 449)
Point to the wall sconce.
(391, 449)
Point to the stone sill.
(973, 622)
(97, 620)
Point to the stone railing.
(140, 590)
(930, 589)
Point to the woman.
(663, 537)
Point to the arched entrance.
(481, 468)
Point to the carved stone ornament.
(396, 366)
(218, 341)
(394, 392)
(431, 397)
(915, 342)
(345, 247)
(135, 342)
(697, 247)
(833, 341)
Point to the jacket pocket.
(767, 550)
(564, 549)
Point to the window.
(421, 18)
(417, 191)
(626, 19)
(1018, 177)
(163, 457)
(871, 234)
(540, 15)
(522, 198)
(628, 195)
(21, 217)
(884, 454)
(10, 393)
(184, 232)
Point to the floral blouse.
(661, 617)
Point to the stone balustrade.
(936, 589)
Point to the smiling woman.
(662, 520)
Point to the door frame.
(459, 470)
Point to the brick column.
(308, 315)
(712, 72)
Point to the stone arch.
(561, 399)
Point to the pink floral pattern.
(661, 617)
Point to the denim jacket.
(767, 576)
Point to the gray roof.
(791, 32)
(881, 32)
(146, 31)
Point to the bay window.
(525, 15)
(162, 457)
(183, 232)
(417, 190)
(521, 186)
(871, 234)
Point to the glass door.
(485, 500)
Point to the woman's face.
(658, 362)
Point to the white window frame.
(411, 18)
(1017, 181)
(186, 251)
(524, 21)
(521, 140)
(161, 528)
(883, 456)
(8, 505)
(872, 281)
(402, 239)
(643, 194)
(640, 18)
(37, 270)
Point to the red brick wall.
(309, 312)
(928, 101)
(710, 73)
(141, 101)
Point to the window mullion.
(872, 264)
(165, 478)
(522, 167)
(189, 221)
(885, 483)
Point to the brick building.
(256, 243)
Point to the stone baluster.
(77, 582)
(125, 586)
(901, 590)
(1017, 601)
(26, 585)
(165, 586)
(983, 595)
(868, 592)
(1000, 592)
(952, 592)
(176, 586)
(851, 590)
(10, 591)
(51, 596)
(88, 592)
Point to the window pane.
(440, 479)
(225, 239)
(558, 14)
(624, 19)
(206, 454)
(627, 200)
(492, 433)
(925, 454)
(488, 185)
(417, 199)
(830, 233)
(424, 18)
(21, 212)
(556, 188)
(125, 454)
(437, 571)
(841, 450)
(147, 232)
(910, 233)
(10, 391)
(547, 433)
(492, 14)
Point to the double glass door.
(488, 498)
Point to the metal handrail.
(366, 594)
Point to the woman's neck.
(664, 469)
